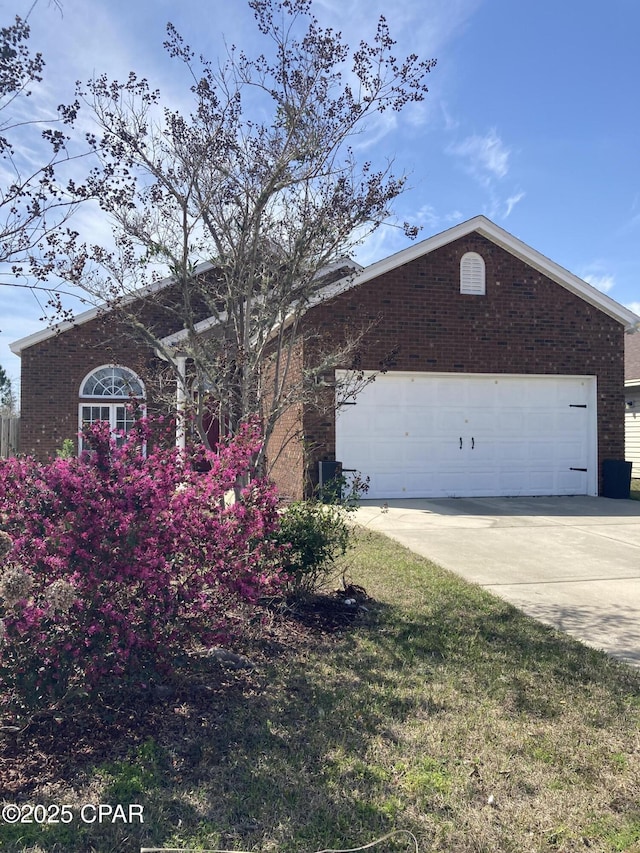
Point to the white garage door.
(464, 435)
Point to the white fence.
(9, 436)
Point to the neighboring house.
(504, 375)
(632, 400)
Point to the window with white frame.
(472, 274)
(107, 394)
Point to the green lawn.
(442, 711)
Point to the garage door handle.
(460, 442)
(473, 443)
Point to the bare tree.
(7, 397)
(249, 200)
(34, 200)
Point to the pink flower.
(120, 557)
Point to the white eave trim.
(86, 316)
(175, 339)
(43, 334)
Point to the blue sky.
(533, 115)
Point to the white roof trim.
(36, 337)
(506, 241)
(176, 338)
(51, 331)
(171, 340)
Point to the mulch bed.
(65, 747)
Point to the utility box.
(616, 478)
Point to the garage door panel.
(541, 452)
(385, 420)
(386, 455)
(543, 422)
(566, 422)
(388, 484)
(514, 451)
(448, 420)
(477, 395)
(511, 482)
(572, 483)
(386, 394)
(420, 420)
(486, 454)
(482, 421)
(577, 393)
(520, 435)
(441, 393)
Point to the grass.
(443, 711)
(635, 490)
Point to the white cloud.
(512, 201)
(424, 28)
(450, 123)
(428, 26)
(598, 275)
(602, 282)
(484, 157)
(383, 242)
(432, 221)
(633, 306)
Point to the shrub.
(344, 491)
(120, 561)
(313, 535)
(67, 450)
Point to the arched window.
(472, 274)
(111, 388)
(113, 380)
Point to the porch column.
(181, 403)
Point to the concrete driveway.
(572, 562)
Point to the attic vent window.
(472, 274)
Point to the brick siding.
(285, 450)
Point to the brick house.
(503, 375)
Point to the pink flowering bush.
(120, 561)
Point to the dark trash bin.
(616, 478)
(330, 480)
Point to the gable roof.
(486, 228)
(479, 224)
(99, 310)
(338, 266)
(339, 270)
